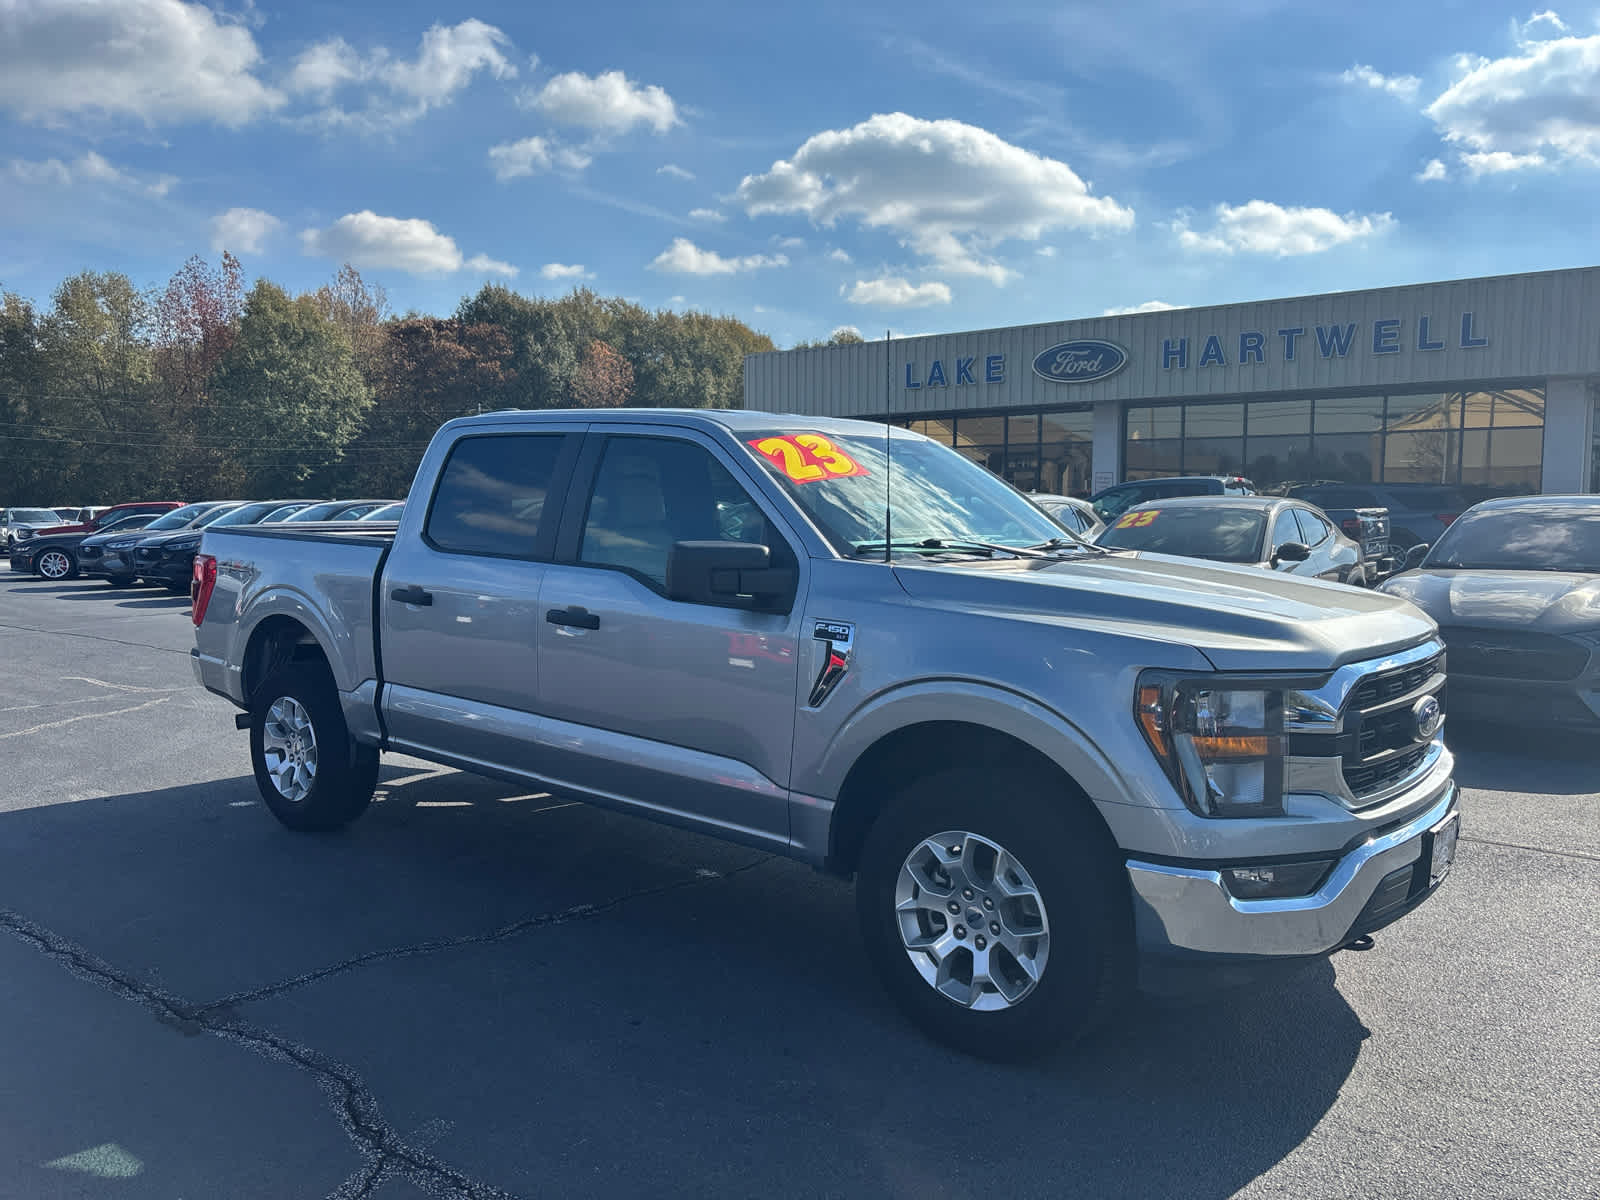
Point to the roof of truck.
(735, 420)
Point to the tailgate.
(1374, 531)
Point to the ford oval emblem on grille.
(1082, 361)
(1428, 716)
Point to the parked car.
(1417, 512)
(109, 555)
(54, 555)
(167, 559)
(1073, 515)
(337, 510)
(1114, 501)
(105, 518)
(389, 512)
(14, 520)
(1036, 758)
(1259, 531)
(287, 509)
(1514, 585)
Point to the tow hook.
(1364, 942)
(241, 720)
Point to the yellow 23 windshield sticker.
(1137, 520)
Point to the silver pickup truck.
(1040, 760)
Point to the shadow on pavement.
(1495, 758)
(708, 1026)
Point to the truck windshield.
(843, 482)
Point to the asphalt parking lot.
(476, 991)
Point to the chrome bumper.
(1188, 911)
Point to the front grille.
(85, 553)
(1365, 781)
(1511, 654)
(1386, 685)
(145, 553)
(1381, 746)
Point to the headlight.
(182, 547)
(23, 535)
(1220, 744)
(122, 545)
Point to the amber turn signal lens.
(1152, 719)
(1211, 748)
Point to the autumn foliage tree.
(604, 379)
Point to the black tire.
(346, 773)
(72, 564)
(120, 581)
(178, 589)
(1071, 859)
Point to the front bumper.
(107, 563)
(165, 570)
(1188, 912)
(1564, 704)
(22, 560)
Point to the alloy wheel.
(53, 564)
(289, 746)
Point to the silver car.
(1260, 531)
(1073, 515)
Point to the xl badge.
(837, 638)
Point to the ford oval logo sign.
(1082, 361)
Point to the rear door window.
(1313, 529)
(492, 493)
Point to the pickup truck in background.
(1039, 760)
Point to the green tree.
(288, 396)
(356, 307)
(196, 321)
(545, 342)
(23, 468)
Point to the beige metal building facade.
(1489, 384)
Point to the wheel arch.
(920, 733)
(275, 641)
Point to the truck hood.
(1546, 601)
(1241, 618)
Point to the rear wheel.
(120, 581)
(994, 911)
(56, 565)
(309, 772)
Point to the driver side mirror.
(729, 574)
(1414, 556)
(1293, 552)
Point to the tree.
(845, 335)
(545, 345)
(196, 320)
(22, 399)
(427, 371)
(288, 396)
(356, 308)
(604, 378)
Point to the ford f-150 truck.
(1040, 760)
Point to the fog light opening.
(1275, 881)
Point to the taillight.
(1445, 518)
(205, 582)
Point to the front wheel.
(994, 911)
(309, 772)
(120, 581)
(56, 565)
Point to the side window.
(1285, 528)
(491, 494)
(653, 491)
(1178, 489)
(1313, 529)
(1114, 502)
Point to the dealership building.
(1490, 384)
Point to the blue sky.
(919, 167)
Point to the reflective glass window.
(1066, 453)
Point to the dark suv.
(1418, 512)
(1114, 501)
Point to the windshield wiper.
(958, 545)
(1056, 543)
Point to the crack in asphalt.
(384, 1153)
(1580, 855)
(564, 916)
(92, 637)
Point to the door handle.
(412, 595)
(577, 617)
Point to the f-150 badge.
(837, 638)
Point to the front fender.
(1048, 731)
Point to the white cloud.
(789, 243)
(706, 214)
(951, 191)
(894, 292)
(1149, 306)
(511, 159)
(153, 60)
(675, 171)
(1261, 227)
(91, 167)
(395, 243)
(606, 103)
(485, 265)
(840, 256)
(683, 257)
(1538, 27)
(676, 300)
(564, 271)
(244, 230)
(1496, 162)
(1046, 251)
(1538, 107)
(401, 90)
(1432, 173)
(1403, 86)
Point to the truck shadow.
(1494, 758)
(673, 1015)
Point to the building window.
(983, 440)
(1022, 452)
(1489, 440)
(1066, 454)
